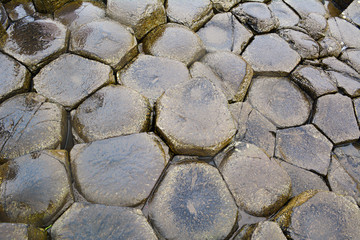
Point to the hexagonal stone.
(260, 186)
(269, 54)
(14, 77)
(352, 58)
(193, 202)
(352, 12)
(152, 76)
(70, 79)
(224, 5)
(349, 158)
(268, 230)
(119, 171)
(142, 16)
(329, 46)
(28, 123)
(315, 24)
(334, 64)
(194, 118)
(306, 7)
(94, 221)
(285, 15)
(279, 100)
(18, 9)
(224, 33)
(4, 20)
(35, 42)
(320, 215)
(49, 6)
(21, 231)
(35, 188)
(334, 116)
(344, 32)
(174, 41)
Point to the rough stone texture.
(268, 230)
(315, 24)
(349, 84)
(279, 100)
(28, 123)
(118, 171)
(19, 231)
(193, 202)
(286, 16)
(35, 42)
(110, 112)
(49, 6)
(269, 54)
(35, 188)
(224, 5)
(344, 32)
(334, 116)
(141, 16)
(100, 222)
(18, 9)
(259, 185)
(306, 7)
(352, 12)
(70, 79)
(225, 33)
(174, 41)
(352, 58)
(333, 64)
(357, 108)
(194, 118)
(152, 76)
(14, 77)
(4, 20)
(329, 47)
(257, 15)
(116, 49)
(192, 14)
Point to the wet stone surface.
(18, 9)
(4, 20)
(49, 6)
(21, 231)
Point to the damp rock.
(329, 47)
(4, 20)
(21, 231)
(349, 158)
(119, 171)
(344, 32)
(268, 230)
(35, 188)
(224, 5)
(70, 79)
(193, 202)
(194, 118)
(352, 58)
(271, 55)
(225, 33)
(352, 12)
(174, 41)
(49, 6)
(306, 7)
(315, 24)
(285, 15)
(18, 9)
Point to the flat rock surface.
(306, 7)
(19, 9)
(286, 16)
(268, 230)
(352, 58)
(352, 12)
(21, 231)
(349, 158)
(344, 32)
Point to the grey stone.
(174, 41)
(4, 20)
(18, 9)
(349, 84)
(100, 222)
(271, 55)
(315, 24)
(193, 202)
(20, 231)
(306, 7)
(268, 230)
(245, 232)
(334, 116)
(333, 64)
(329, 47)
(286, 16)
(352, 12)
(352, 58)
(349, 158)
(357, 108)
(224, 5)
(49, 6)
(344, 32)
(194, 118)
(87, 76)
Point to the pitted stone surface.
(100, 222)
(152, 76)
(349, 158)
(315, 24)
(329, 47)
(110, 112)
(119, 171)
(259, 185)
(224, 5)
(286, 16)
(344, 32)
(194, 118)
(352, 57)
(18, 9)
(35, 188)
(305, 7)
(225, 33)
(116, 49)
(279, 100)
(21, 231)
(271, 55)
(174, 41)
(193, 202)
(70, 79)
(268, 230)
(28, 123)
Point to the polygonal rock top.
(305, 7)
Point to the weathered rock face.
(70, 79)
(352, 57)
(344, 32)
(49, 6)
(193, 202)
(352, 12)
(260, 186)
(357, 108)
(306, 7)
(329, 47)
(94, 221)
(141, 16)
(18, 9)
(315, 24)
(224, 5)
(174, 41)
(286, 16)
(21, 231)
(35, 42)
(4, 20)
(28, 123)
(268, 230)
(119, 171)
(35, 188)
(194, 118)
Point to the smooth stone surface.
(35, 188)
(352, 12)
(106, 41)
(352, 58)
(18, 9)
(269, 54)
(334, 116)
(193, 202)
(279, 100)
(194, 118)
(119, 171)
(49, 6)
(19, 231)
(28, 123)
(334, 64)
(70, 79)
(14, 77)
(36, 42)
(344, 32)
(315, 24)
(349, 158)
(141, 16)
(225, 33)
(285, 15)
(224, 5)
(192, 14)
(100, 222)
(110, 112)
(259, 185)
(329, 47)
(348, 84)
(268, 230)
(306, 7)
(174, 41)
(152, 76)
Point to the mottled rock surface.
(329, 47)
(352, 57)
(352, 12)
(224, 5)
(21, 231)
(305, 7)
(268, 230)
(18, 9)
(349, 158)
(49, 6)
(357, 108)
(286, 16)
(315, 24)
(344, 32)
(4, 20)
